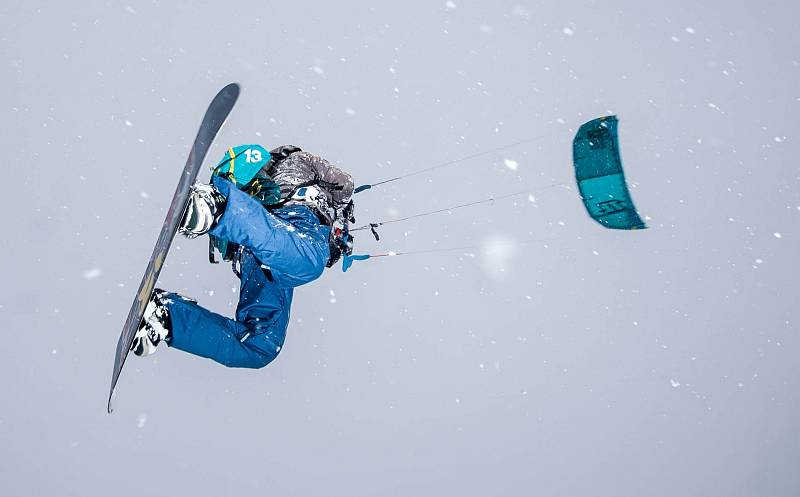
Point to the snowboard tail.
(214, 118)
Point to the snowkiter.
(278, 217)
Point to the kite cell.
(598, 171)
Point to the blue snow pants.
(280, 250)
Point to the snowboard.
(215, 116)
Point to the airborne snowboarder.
(280, 217)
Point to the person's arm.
(329, 173)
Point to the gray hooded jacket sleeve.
(302, 167)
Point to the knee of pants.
(260, 348)
(260, 360)
(246, 357)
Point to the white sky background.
(554, 358)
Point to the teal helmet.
(247, 166)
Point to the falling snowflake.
(92, 273)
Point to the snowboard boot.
(155, 325)
(206, 205)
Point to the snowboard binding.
(155, 325)
(205, 208)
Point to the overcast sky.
(551, 358)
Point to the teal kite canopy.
(598, 171)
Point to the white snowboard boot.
(206, 205)
(154, 327)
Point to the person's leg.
(291, 243)
(253, 340)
